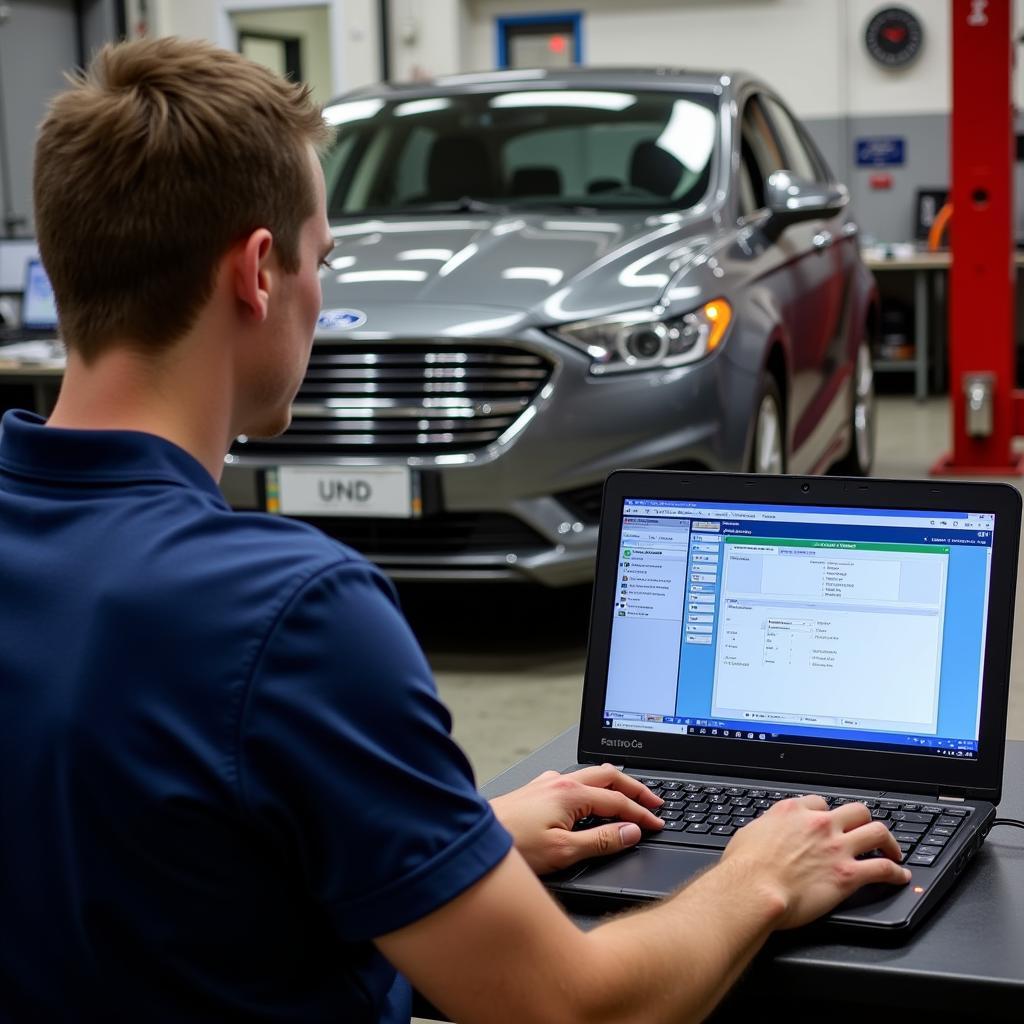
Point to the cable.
(1013, 822)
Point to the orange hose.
(938, 228)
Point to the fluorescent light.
(458, 259)
(422, 106)
(549, 275)
(354, 110)
(441, 255)
(565, 98)
(367, 276)
(493, 76)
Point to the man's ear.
(253, 273)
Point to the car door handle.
(822, 240)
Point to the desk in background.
(31, 369)
(930, 273)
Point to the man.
(227, 787)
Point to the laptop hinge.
(951, 798)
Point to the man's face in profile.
(286, 338)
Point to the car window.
(523, 147)
(751, 198)
(575, 159)
(411, 167)
(760, 155)
(798, 159)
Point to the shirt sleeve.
(347, 763)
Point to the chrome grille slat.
(302, 410)
(427, 359)
(346, 427)
(430, 387)
(425, 373)
(404, 397)
(407, 440)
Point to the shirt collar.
(29, 448)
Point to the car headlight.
(647, 340)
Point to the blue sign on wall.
(881, 151)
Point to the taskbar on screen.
(667, 725)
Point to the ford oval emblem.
(340, 319)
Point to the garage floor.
(509, 660)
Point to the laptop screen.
(848, 627)
(38, 308)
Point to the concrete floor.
(509, 660)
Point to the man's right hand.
(503, 951)
(805, 854)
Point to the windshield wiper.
(464, 204)
(558, 204)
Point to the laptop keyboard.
(708, 814)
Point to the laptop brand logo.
(632, 744)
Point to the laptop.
(754, 638)
(38, 319)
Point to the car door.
(826, 269)
(800, 279)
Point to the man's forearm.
(675, 962)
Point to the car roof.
(589, 77)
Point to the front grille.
(585, 502)
(450, 533)
(405, 398)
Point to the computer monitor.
(38, 308)
(14, 254)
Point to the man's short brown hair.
(156, 160)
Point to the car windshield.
(594, 148)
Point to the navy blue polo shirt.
(224, 766)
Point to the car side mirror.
(791, 199)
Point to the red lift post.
(987, 410)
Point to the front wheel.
(860, 458)
(768, 451)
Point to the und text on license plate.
(385, 491)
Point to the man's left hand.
(542, 813)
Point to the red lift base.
(946, 467)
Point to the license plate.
(385, 491)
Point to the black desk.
(965, 963)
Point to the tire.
(768, 446)
(860, 458)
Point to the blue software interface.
(38, 308)
(838, 626)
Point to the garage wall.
(811, 51)
(38, 42)
(308, 25)
(355, 57)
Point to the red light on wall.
(880, 181)
(558, 44)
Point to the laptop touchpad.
(646, 870)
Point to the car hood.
(546, 268)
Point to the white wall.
(923, 88)
(355, 46)
(811, 51)
(428, 37)
(760, 36)
(309, 25)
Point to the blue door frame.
(573, 18)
